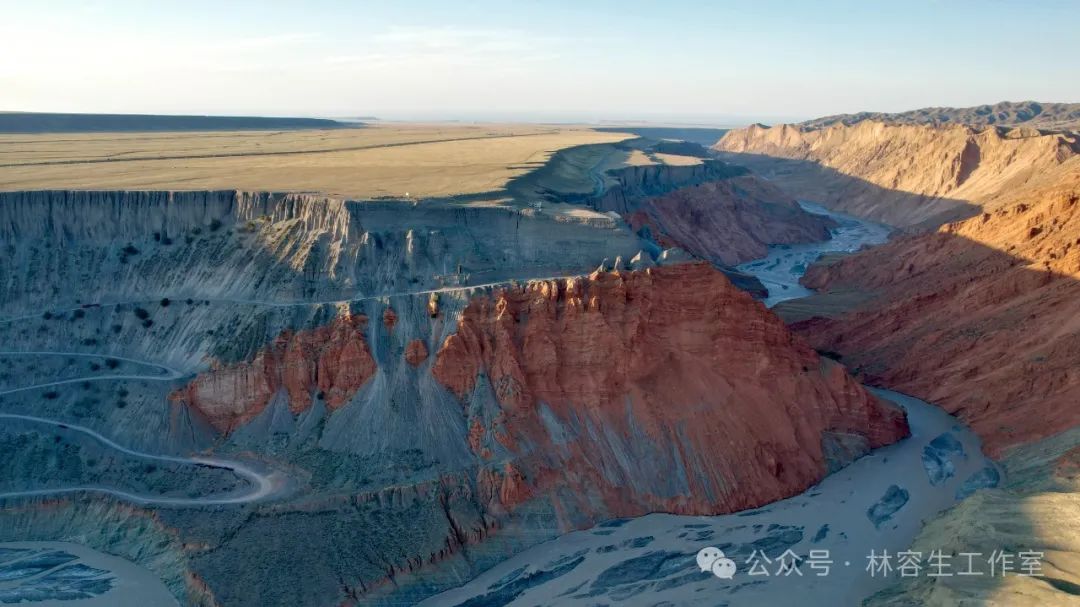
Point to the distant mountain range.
(1046, 116)
(34, 122)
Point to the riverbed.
(784, 265)
(809, 550)
(63, 574)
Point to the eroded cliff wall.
(978, 317)
(426, 429)
(554, 405)
(904, 175)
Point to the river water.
(877, 504)
(781, 269)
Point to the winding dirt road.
(262, 485)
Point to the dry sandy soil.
(382, 161)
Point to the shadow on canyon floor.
(809, 180)
(990, 336)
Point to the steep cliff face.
(632, 184)
(729, 221)
(901, 174)
(329, 363)
(543, 407)
(67, 248)
(424, 433)
(663, 389)
(979, 317)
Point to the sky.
(706, 62)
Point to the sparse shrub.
(130, 250)
(95, 367)
(120, 404)
(147, 323)
(51, 395)
(165, 302)
(47, 315)
(117, 328)
(77, 314)
(112, 363)
(166, 241)
(189, 301)
(157, 236)
(141, 314)
(215, 225)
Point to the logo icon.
(713, 559)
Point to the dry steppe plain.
(383, 161)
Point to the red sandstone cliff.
(330, 362)
(980, 317)
(664, 389)
(729, 221)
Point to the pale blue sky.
(671, 60)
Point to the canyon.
(602, 349)
(383, 397)
(972, 308)
(913, 176)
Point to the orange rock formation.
(330, 362)
(980, 317)
(416, 352)
(664, 389)
(728, 221)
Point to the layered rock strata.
(907, 175)
(978, 317)
(329, 363)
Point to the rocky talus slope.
(980, 317)
(906, 175)
(425, 416)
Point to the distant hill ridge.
(1047, 116)
(34, 122)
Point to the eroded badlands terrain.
(284, 399)
(300, 398)
(976, 315)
